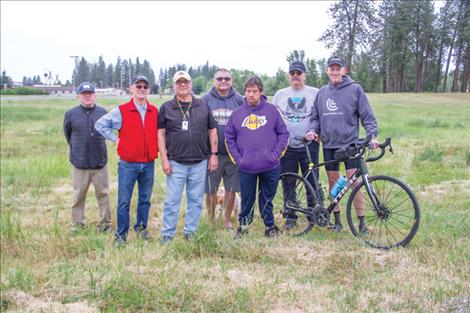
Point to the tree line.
(388, 46)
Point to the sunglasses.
(182, 82)
(298, 73)
(142, 86)
(227, 79)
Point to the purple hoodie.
(256, 137)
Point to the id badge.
(185, 125)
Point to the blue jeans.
(267, 186)
(128, 174)
(194, 178)
(291, 161)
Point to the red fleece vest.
(137, 142)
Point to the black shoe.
(120, 242)
(144, 235)
(336, 228)
(290, 224)
(105, 228)
(240, 232)
(363, 229)
(188, 237)
(165, 239)
(272, 231)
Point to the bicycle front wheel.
(293, 204)
(396, 219)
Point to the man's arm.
(109, 122)
(166, 166)
(67, 127)
(313, 133)
(282, 137)
(214, 141)
(367, 117)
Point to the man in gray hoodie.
(338, 108)
(222, 100)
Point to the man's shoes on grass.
(336, 228)
(272, 232)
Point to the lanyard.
(185, 114)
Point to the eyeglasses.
(182, 82)
(227, 79)
(298, 73)
(142, 86)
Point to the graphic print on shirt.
(296, 110)
(331, 105)
(222, 115)
(253, 121)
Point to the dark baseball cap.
(140, 78)
(297, 66)
(86, 87)
(335, 60)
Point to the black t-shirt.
(187, 144)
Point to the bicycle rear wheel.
(396, 221)
(293, 204)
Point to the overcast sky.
(41, 35)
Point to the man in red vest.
(137, 147)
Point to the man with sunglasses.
(88, 155)
(137, 147)
(222, 100)
(296, 105)
(187, 140)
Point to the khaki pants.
(81, 182)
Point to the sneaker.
(105, 228)
(120, 242)
(144, 235)
(240, 232)
(272, 231)
(165, 239)
(363, 229)
(290, 223)
(336, 228)
(188, 237)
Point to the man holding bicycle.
(337, 110)
(296, 105)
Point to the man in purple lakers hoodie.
(256, 137)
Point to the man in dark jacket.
(338, 108)
(256, 138)
(88, 156)
(222, 100)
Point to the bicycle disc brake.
(321, 216)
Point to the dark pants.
(291, 161)
(128, 174)
(267, 186)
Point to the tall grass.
(40, 255)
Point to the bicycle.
(392, 214)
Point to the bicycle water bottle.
(340, 183)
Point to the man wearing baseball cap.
(187, 140)
(88, 155)
(338, 109)
(296, 105)
(137, 147)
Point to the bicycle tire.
(399, 221)
(298, 197)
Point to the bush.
(24, 91)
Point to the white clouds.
(252, 35)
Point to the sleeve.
(315, 121)
(67, 127)
(366, 114)
(212, 123)
(230, 134)
(109, 122)
(282, 136)
(161, 118)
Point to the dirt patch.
(23, 302)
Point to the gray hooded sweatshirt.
(337, 111)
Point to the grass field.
(45, 268)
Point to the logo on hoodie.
(253, 121)
(331, 105)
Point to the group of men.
(245, 141)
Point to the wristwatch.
(214, 153)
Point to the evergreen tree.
(117, 76)
(83, 72)
(296, 55)
(100, 73)
(110, 76)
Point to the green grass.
(41, 257)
